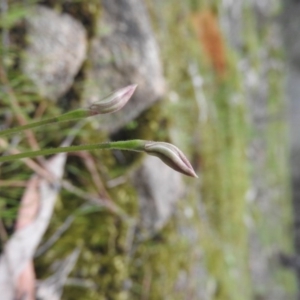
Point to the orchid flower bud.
(113, 102)
(171, 156)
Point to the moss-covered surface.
(215, 135)
(219, 144)
(220, 141)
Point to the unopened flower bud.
(171, 156)
(113, 102)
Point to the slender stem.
(69, 116)
(132, 145)
(27, 126)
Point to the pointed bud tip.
(190, 172)
(193, 174)
(171, 156)
(133, 86)
(128, 91)
(113, 102)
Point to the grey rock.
(291, 32)
(291, 36)
(158, 188)
(57, 48)
(234, 26)
(257, 94)
(125, 52)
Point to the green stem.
(132, 145)
(27, 126)
(72, 115)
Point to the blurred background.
(220, 79)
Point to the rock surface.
(291, 35)
(264, 197)
(158, 188)
(124, 52)
(57, 48)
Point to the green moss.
(156, 264)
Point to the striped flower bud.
(171, 156)
(113, 102)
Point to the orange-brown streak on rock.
(211, 38)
